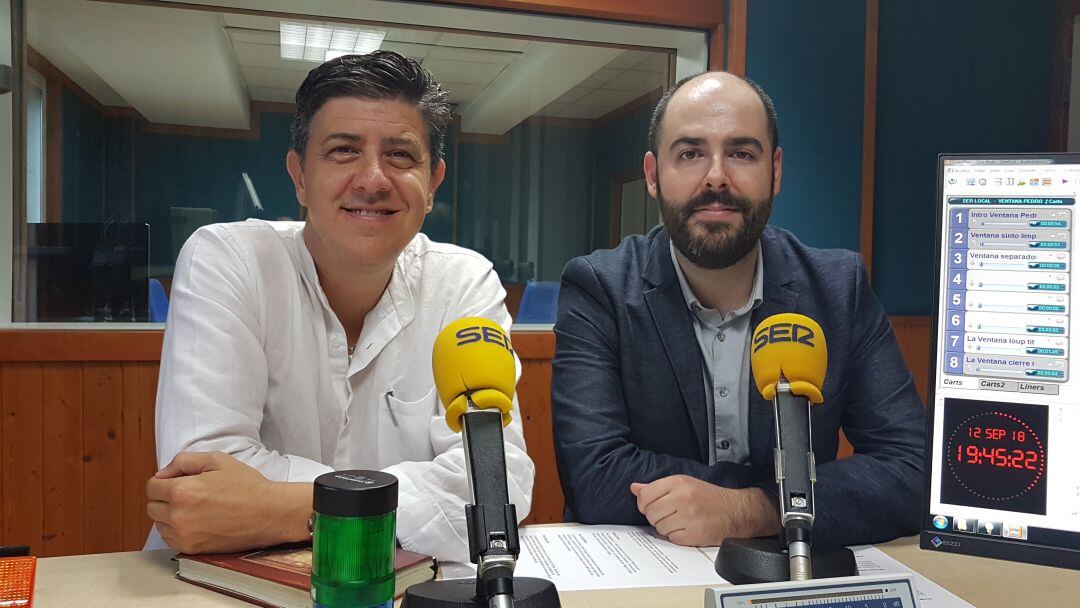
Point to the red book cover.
(257, 573)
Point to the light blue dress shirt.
(724, 342)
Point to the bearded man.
(654, 412)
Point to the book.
(280, 577)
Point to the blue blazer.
(628, 398)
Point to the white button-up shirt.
(255, 364)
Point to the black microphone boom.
(789, 360)
(795, 476)
(474, 368)
(491, 518)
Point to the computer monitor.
(1003, 457)
(87, 272)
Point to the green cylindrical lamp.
(353, 540)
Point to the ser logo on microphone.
(476, 333)
(783, 332)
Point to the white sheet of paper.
(578, 558)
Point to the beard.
(715, 245)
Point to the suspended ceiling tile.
(463, 71)
(272, 94)
(478, 55)
(483, 42)
(461, 92)
(608, 98)
(654, 62)
(543, 74)
(574, 95)
(552, 109)
(250, 36)
(627, 60)
(633, 80)
(281, 79)
(415, 36)
(600, 78)
(408, 49)
(42, 37)
(269, 57)
(173, 66)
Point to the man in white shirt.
(293, 349)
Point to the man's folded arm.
(213, 383)
(596, 456)
(876, 494)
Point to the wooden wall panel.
(913, 335)
(736, 38)
(22, 467)
(869, 145)
(534, 395)
(140, 457)
(77, 436)
(38, 345)
(63, 450)
(103, 458)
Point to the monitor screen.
(87, 272)
(1003, 454)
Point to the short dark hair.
(661, 109)
(377, 75)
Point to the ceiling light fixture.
(319, 42)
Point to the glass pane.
(160, 120)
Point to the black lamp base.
(765, 560)
(528, 593)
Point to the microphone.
(473, 364)
(788, 357)
(475, 375)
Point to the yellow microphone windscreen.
(473, 358)
(793, 346)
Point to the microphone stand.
(493, 531)
(765, 560)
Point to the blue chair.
(159, 302)
(539, 302)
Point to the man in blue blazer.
(656, 418)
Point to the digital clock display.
(994, 455)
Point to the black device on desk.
(475, 372)
(788, 357)
(1002, 441)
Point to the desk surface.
(146, 580)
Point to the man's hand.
(212, 503)
(696, 513)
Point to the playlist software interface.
(1005, 458)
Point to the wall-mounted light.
(318, 42)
